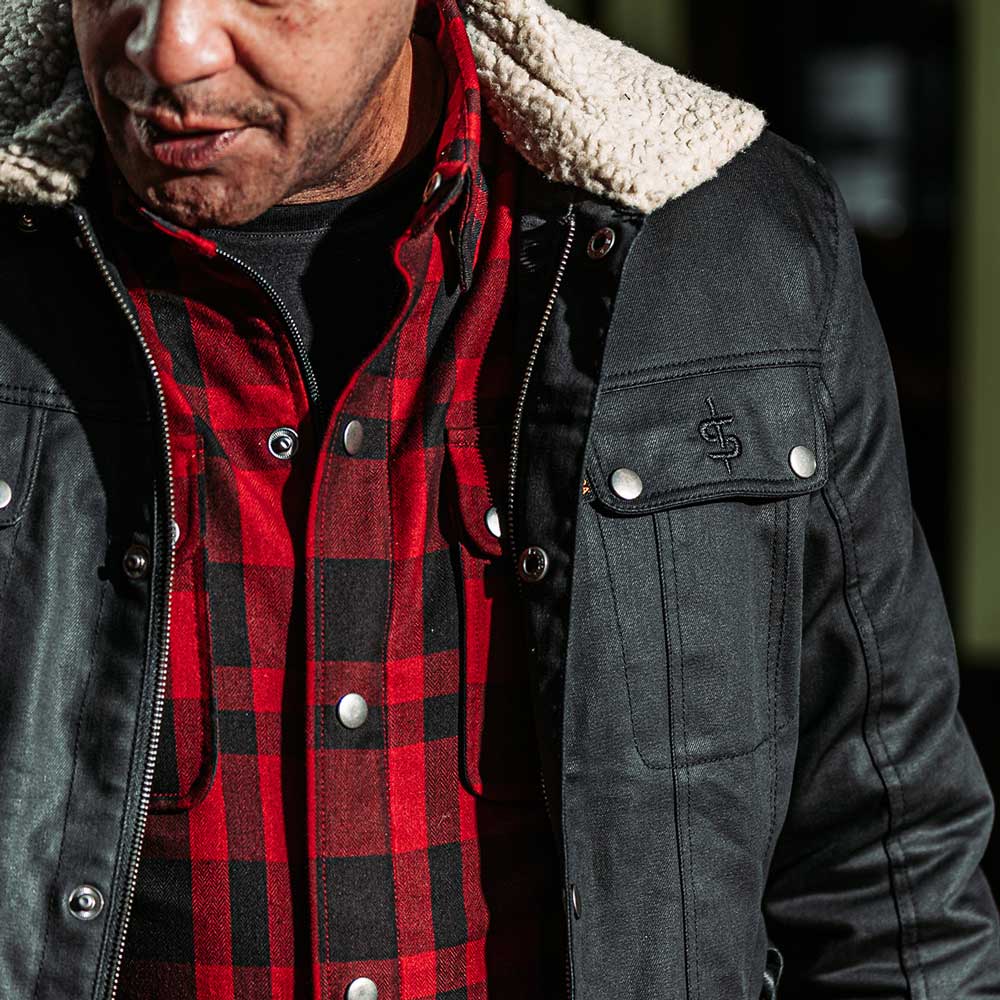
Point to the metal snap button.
(136, 561)
(433, 186)
(626, 484)
(283, 443)
(601, 243)
(492, 519)
(352, 711)
(533, 564)
(6, 494)
(574, 898)
(85, 902)
(803, 461)
(175, 532)
(27, 223)
(361, 989)
(354, 437)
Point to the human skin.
(216, 110)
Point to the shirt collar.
(456, 188)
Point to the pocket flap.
(19, 449)
(478, 459)
(755, 432)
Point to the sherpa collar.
(581, 108)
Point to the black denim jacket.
(744, 680)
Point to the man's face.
(215, 110)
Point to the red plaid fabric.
(287, 854)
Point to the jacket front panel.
(758, 721)
(77, 692)
(753, 686)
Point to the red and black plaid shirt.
(287, 854)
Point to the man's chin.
(205, 201)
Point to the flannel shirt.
(285, 853)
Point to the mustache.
(186, 103)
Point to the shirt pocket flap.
(478, 457)
(740, 432)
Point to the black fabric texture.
(330, 263)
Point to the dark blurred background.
(901, 100)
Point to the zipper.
(298, 344)
(522, 396)
(120, 295)
(515, 448)
(522, 399)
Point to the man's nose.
(180, 41)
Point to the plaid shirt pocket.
(498, 753)
(186, 762)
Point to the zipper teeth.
(522, 396)
(312, 383)
(120, 297)
(515, 447)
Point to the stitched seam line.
(772, 756)
(658, 500)
(69, 797)
(737, 754)
(686, 373)
(22, 395)
(687, 777)
(887, 774)
(621, 642)
(36, 461)
(701, 359)
(674, 769)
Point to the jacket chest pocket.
(186, 761)
(700, 485)
(498, 756)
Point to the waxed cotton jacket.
(743, 677)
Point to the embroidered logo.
(714, 431)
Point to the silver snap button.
(85, 902)
(533, 564)
(626, 484)
(574, 898)
(354, 437)
(6, 494)
(26, 223)
(433, 186)
(803, 461)
(175, 532)
(361, 989)
(136, 562)
(283, 443)
(601, 243)
(352, 711)
(492, 519)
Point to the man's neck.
(394, 128)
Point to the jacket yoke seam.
(728, 356)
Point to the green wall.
(976, 478)
(656, 27)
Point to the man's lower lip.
(193, 152)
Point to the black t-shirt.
(331, 265)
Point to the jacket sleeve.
(875, 889)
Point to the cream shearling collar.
(581, 108)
